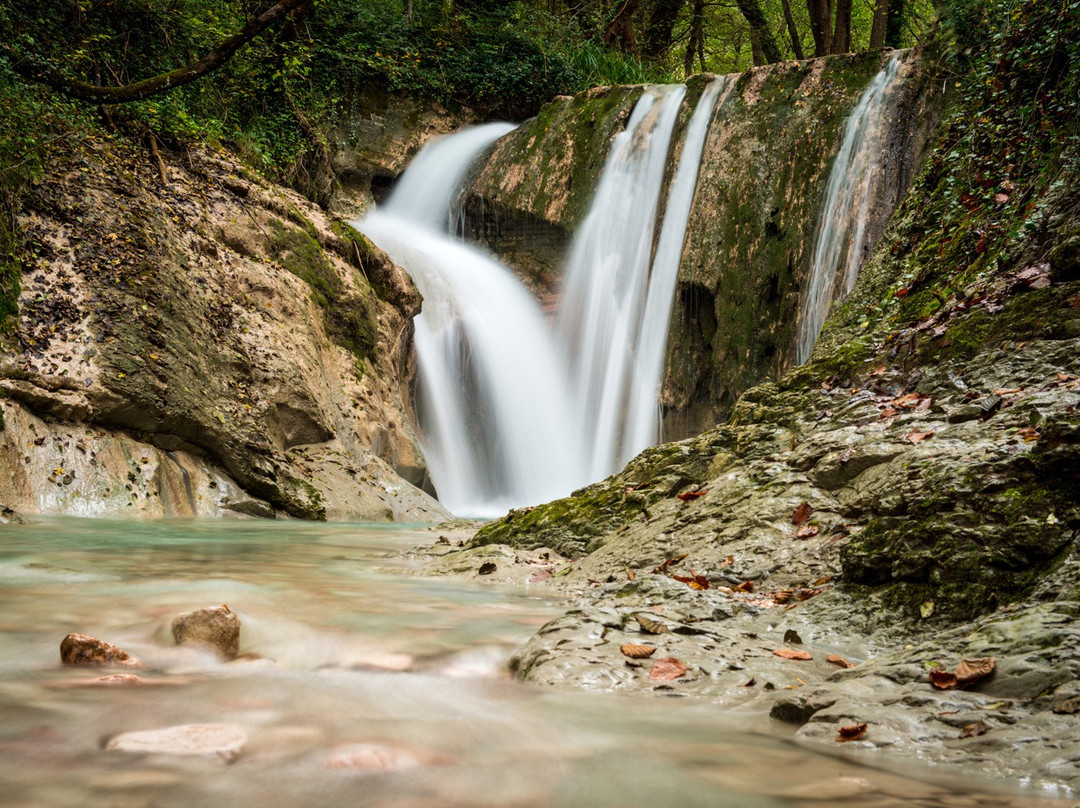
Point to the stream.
(361, 682)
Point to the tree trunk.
(620, 31)
(894, 26)
(793, 32)
(821, 25)
(841, 41)
(661, 26)
(762, 41)
(84, 91)
(695, 44)
(877, 32)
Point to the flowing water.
(384, 689)
(513, 411)
(841, 244)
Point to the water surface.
(361, 654)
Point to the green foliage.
(1013, 136)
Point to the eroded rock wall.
(751, 230)
(208, 320)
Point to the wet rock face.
(752, 226)
(84, 650)
(213, 627)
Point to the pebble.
(224, 741)
(214, 627)
(84, 650)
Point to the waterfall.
(514, 411)
(841, 244)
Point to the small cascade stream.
(841, 244)
(513, 410)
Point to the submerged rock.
(213, 627)
(225, 741)
(82, 649)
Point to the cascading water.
(512, 411)
(841, 244)
(492, 397)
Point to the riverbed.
(361, 682)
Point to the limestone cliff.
(194, 340)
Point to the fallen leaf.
(880, 369)
(852, 733)
(806, 594)
(783, 596)
(970, 671)
(690, 496)
(727, 562)
(487, 568)
(839, 661)
(907, 401)
(974, 729)
(926, 609)
(666, 669)
(1008, 391)
(788, 653)
(635, 651)
(801, 514)
(1001, 198)
(915, 436)
(807, 531)
(822, 580)
(693, 580)
(1028, 433)
(630, 575)
(845, 456)
(889, 413)
(924, 404)
(943, 680)
(745, 586)
(671, 562)
(1068, 707)
(650, 626)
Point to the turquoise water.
(346, 648)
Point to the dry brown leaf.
(915, 436)
(943, 680)
(727, 562)
(839, 661)
(889, 412)
(806, 594)
(745, 586)
(487, 568)
(1068, 707)
(807, 531)
(630, 574)
(671, 562)
(690, 496)
(635, 651)
(801, 514)
(1008, 391)
(783, 596)
(974, 729)
(650, 626)
(852, 733)
(845, 456)
(907, 401)
(924, 404)
(667, 668)
(788, 653)
(693, 580)
(824, 579)
(1028, 433)
(970, 671)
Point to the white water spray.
(514, 412)
(841, 244)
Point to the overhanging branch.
(84, 91)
